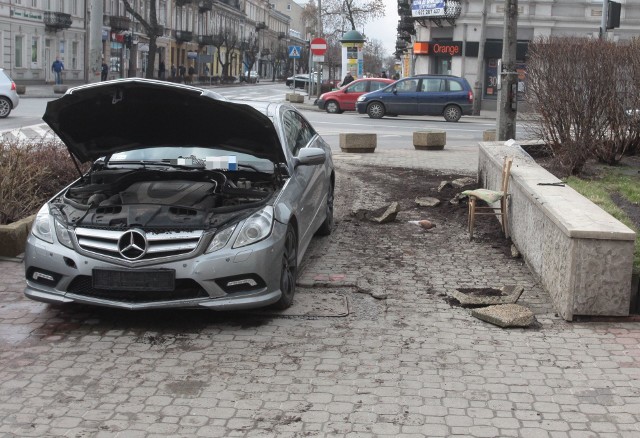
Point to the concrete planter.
(429, 140)
(14, 236)
(60, 89)
(296, 98)
(358, 143)
(489, 135)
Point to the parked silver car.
(9, 98)
(192, 200)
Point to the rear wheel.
(332, 107)
(375, 110)
(288, 270)
(452, 113)
(5, 107)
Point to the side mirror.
(310, 157)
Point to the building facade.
(214, 38)
(450, 45)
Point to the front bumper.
(200, 280)
(361, 107)
(321, 103)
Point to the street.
(373, 346)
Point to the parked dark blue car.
(426, 95)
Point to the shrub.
(31, 173)
(580, 88)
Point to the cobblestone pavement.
(409, 365)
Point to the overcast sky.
(384, 29)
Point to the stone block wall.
(582, 255)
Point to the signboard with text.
(427, 8)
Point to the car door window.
(433, 85)
(358, 87)
(454, 86)
(298, 132)
(375, 85)
(408, 86)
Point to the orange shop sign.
(438, 48)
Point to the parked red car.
(345, 98)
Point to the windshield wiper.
(166, 163)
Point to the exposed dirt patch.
(481, 291)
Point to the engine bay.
(164, 198)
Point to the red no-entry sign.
(318, 46)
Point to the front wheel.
(375, 110)
(288, 270)
(332, 107)
(452, 113)
(5, 107)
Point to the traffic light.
(613, 15)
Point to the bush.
(580, 88)
(30, 174)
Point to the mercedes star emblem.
(132, 245)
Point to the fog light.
(40, 275)
(248, 281)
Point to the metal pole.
(507, 93)
(477, 89)
(95, 41)
(318, 87)
(603, 19)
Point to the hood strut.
(75, 163)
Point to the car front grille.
(157, 243)
(185, 289)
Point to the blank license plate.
(139, 280)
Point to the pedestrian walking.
(347, 79)
(181, 73)
(173, 72)
(57, 68)
(161, 70)
(192, 71)
(104, 72)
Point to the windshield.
(166, 154)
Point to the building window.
(61, 5)
(46, 5)
(34, 4)
(74, 7)
(289, 7)
(18, 51)
(74, 55)
(34, 51)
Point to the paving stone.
(505, 315)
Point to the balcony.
(265, 52)
(183, 2)
(232, 3)
(159, 30)
(57, 20)
(261, 25)
(282, 35)
(205, 6)
(184, 36)
(205, 40)
(119, 23)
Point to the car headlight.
(62, 233)
(221, 239)
(42, 225)
(256, 228)
(361, 99)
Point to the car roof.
(434, 76)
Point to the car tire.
(332, 107)
(288, 269)
(327, 226)
(375, 110)
(5, 107)
(452, 113)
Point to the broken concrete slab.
(443, 185)
(388, 215)
(427, 202)
(473, 297)
(463, 182)
(505, 315)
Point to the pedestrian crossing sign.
(294, 51)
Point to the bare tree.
(373, 56)
(228, 39)
(344, 15)
(151, 29)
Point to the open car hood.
(100, 119)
